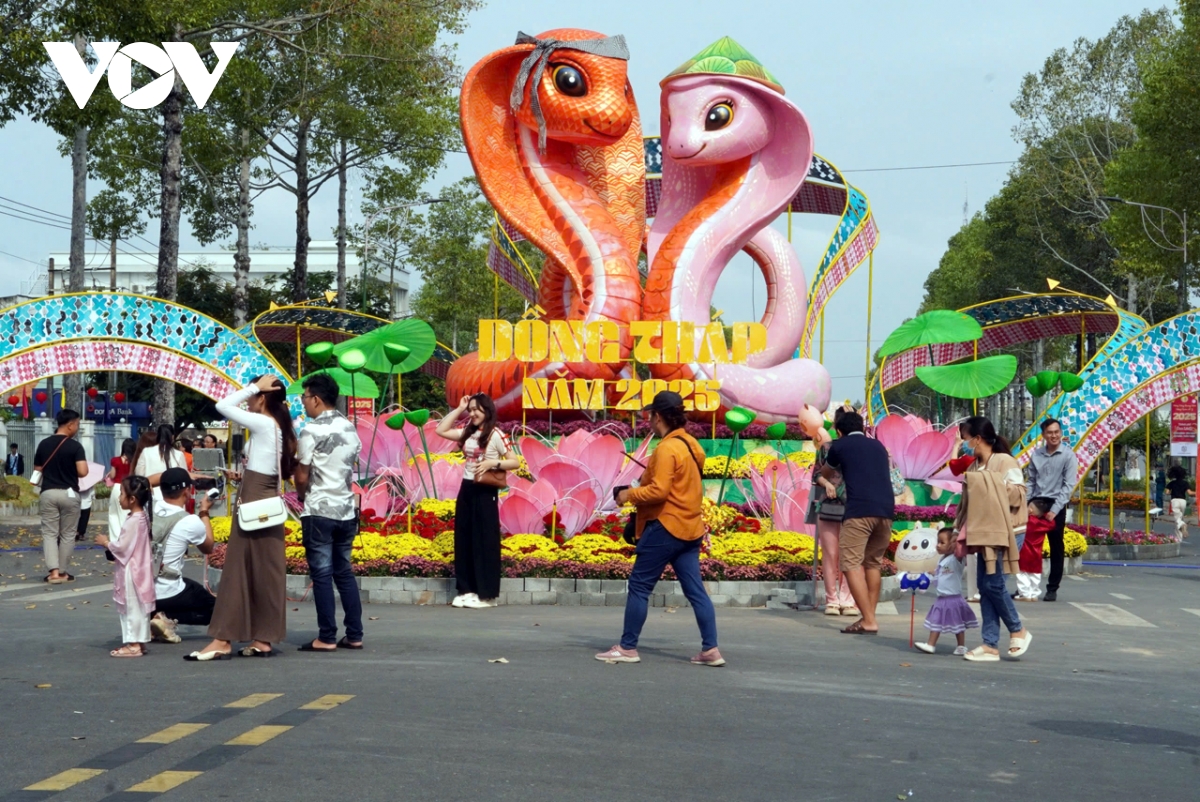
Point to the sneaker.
(925, 647)
(1051, 595)
(832, 609)
(476, 603)
(618, 655)
(461, 599)
(712, 657)
(959, 651)
(163, 630)
(851, 611)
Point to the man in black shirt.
(867, 524)
(61, 460)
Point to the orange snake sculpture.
(553, 133)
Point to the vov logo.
(118, 61)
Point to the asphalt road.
(1104, 705)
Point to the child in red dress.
(1029, 578)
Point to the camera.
(213, 494)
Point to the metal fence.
(22, 433)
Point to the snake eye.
(718, 117)
(569, 81)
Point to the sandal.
(254, 651)
(978, 655)
(1018, 649)
(125, 651)
(55, 580)
(308, 647)
(346, 644)
(204, 657)
(857, 629)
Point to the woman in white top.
(476, 514)
(153, 461)
(251, 602)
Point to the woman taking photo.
(476, 515)
(251, 602)
(991, 511)
(118, 469)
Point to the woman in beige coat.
(992, 510)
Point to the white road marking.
(1191, 610)
(1112, 615)
(24, 586)
(60, 594)
(1121, 596)
(1076, 578)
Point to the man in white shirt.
(180, 600)
(327, 450)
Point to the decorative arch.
(106, 331)
(1146, 371)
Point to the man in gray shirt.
(1052, 470)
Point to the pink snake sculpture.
(735, 152)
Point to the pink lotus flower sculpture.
(574, 479)
(383, 447)
(789, 486)
(918, 449)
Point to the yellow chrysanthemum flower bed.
(525, 547)
(595, 549)
(745, 548)
(442, 508)
(717, 519)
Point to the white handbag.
(261, 514)
(264, 513)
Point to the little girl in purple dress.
(950, 613)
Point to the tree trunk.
(241, 256)
(79, 151)
(1039, 361)
(341, 228)
(168, 231)
(1131, 298)
(300, 266)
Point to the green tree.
(1163, 166)
(449, 250)
(954, 284)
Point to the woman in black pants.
(476, 514)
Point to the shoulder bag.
(496, 477)
(35, 478)
(266, 512)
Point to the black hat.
(665, 400)
(173, 480)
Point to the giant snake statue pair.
(554, 135)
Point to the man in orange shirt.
(670, 530)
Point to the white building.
(136, 271)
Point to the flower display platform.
(577, 592)
(1152, 551)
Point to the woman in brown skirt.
(251, 600)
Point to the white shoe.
(462, 599)
(163, 630)
(476, 603)
(959, 651)
(925, 647)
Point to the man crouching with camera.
(179, 600)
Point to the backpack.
(160, 530)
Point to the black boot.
(1051, 595)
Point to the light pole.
(1166, 244)
(362, 273)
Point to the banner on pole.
(1184, 430)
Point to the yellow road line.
(65, 780)
(327, 702)
(258, 735)
(172, 734)
(254, 700)
(165, 781)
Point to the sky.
(884, 85)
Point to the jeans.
(655, 551)
(327, 546)
(994, 602)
